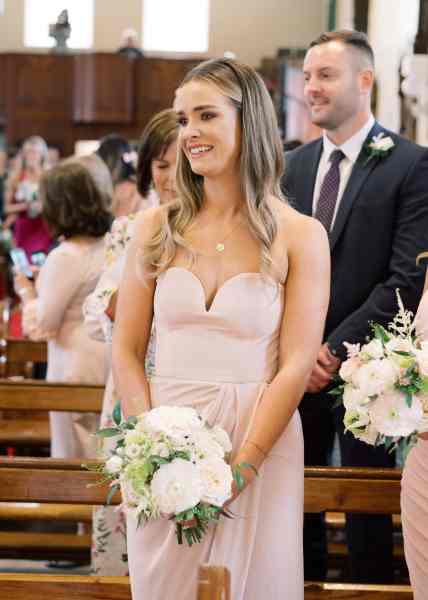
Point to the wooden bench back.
(35, 395)
(337, 489)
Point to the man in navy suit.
(369, 187)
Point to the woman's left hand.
(423, 436)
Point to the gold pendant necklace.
(220, 246)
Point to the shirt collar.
(352, 147)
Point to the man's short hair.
(349, 37)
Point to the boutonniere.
(379, 147)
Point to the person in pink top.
(22, 204)
(414, 488)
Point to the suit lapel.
(307, 183)
(360, 171)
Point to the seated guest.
(77, 215)
(22, 204)
(155, 176)
(120, 158)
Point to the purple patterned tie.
(329, 189)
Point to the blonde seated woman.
(236, 283)
(155, 180)
(77, 214)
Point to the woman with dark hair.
(120, 159)
(76, 213)
(155, 176)
(236, 283)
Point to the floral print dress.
(108, 552)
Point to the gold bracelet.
(258, 448)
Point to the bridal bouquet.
(169, 462)
(384, 385)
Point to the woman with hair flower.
(237, 285)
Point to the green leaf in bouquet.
(131, 422)
(114, 488)
(422, 384)
(180, 454)
(117, 413)
(402, 353)
(380, 333)
(157, 461)
(337, 391)
(388, 442)
(108, 432)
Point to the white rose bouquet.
(384, 385)
(168, 462)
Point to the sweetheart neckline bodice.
(269, 280)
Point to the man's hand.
(326, 366)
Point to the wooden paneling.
(84, 96)
(38, 97)
(157, 81)
(103, 88)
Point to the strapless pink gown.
(414, 496)
(220, 361)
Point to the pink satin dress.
(220, 360)
(414, 496)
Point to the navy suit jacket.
(380, 228)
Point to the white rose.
(216, 477)
(176, 486)
(132, 451)
(398, 344)
(392, 417)
(375, 376)
(349, 368)
(422, 361)
(203, 445)
(173, 421)
(353, 399)
(114, 464)
(222, 438)
(374, 349)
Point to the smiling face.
(337, 86)
(163, 174)
(210, 130)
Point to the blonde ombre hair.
(261, 166)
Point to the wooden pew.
(213, 584)
(31, 396)
(336, 489)
(17, 353)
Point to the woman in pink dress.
(22, 204)
(76, 211)
(414, 490)
(237, 283)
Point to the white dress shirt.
(351, 149)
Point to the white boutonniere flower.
(379, 147)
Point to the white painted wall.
(392, 29)
(252, 29)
